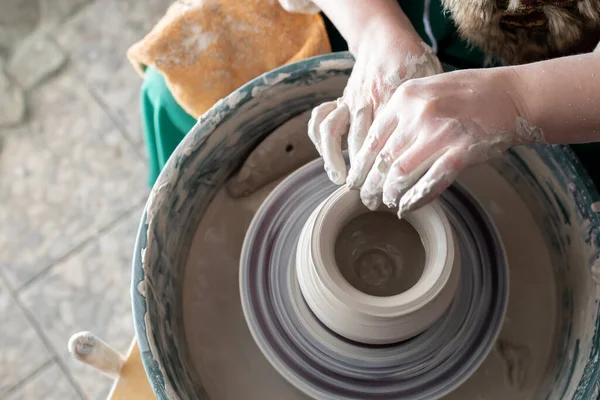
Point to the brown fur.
(566, 31)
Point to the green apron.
(165, 123)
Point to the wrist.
(363, 22)
(376, 31)
(559, 96)
(526, 130)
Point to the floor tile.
(89, 291)
(97, 39)
(12, 101)
(17, 20)
(35, 60)
(21, 349)
(66, 176)
(53, 12)
(49, 384)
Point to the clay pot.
(385, 310)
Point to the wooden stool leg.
(91, 350)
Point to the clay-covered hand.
(385, 58)
(431, 129)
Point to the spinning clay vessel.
(321, 361)
(380, 259)
(220, 312)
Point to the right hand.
(386, 56)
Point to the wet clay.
(335, 303)
(379, 255)
(288, 147)
(520, 365)
(230, 365)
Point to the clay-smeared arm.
(561, 97)
(353, 18)
(433, 128)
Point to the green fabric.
(164, 122)
(452, 49)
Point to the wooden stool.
(131, 382)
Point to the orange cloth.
(207, 49)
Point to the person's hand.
(434, 127)
(386, 56)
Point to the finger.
(437, 179)
(333, 128)
(408, 167)
(372, 189)
(317, 117)
(377, 136)
(359, 127)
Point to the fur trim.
(522, 33)
(590, 9)
(564, 28)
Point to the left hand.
(431, 129)
(386, 56)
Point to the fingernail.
(404, 209)
(412, 199)
(334, 176)
(382, 163)
(371, 202)
(389, 202)
(400, 214)
(393, 192)
(351, 180)
(390, 197)
(407, 202)
(355, 179)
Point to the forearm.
(561, 97)
(353, 17)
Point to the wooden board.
(132, 383)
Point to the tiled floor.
(72, 187)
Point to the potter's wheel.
(191, 330)
(324, 364)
